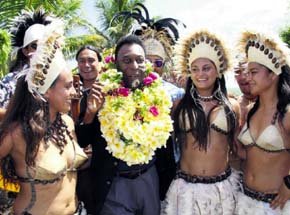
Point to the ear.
(273, 76)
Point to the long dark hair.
(283, 91)
(20, 61)
(31, 114)
(199, 122)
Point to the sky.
(225, 17)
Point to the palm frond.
(74, 43)
(5, 47)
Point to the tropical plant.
(106, 10)
(5, 48)
(69, 10)
(285, 35)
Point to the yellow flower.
(132, 132)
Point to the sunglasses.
(157, 63)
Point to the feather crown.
(202, 44)
(265, 49)
(158, 36)
(21, 23)
(48, 61)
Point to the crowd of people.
(59, 147)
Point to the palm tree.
(69, 10)
(106, 10)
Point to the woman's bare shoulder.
(235, 104)
(11, 135)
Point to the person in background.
(266, 134)
(89, 65)
(26, 29)
(246, 98)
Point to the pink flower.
(123, 91)
(109, 59)
(154, 110)
(147, 81)
(153, 76)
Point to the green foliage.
(106, 10)
(68, 10)
(285, 35)
(5, 48)
(78, 41)
(10, 9)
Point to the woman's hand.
(282, 197)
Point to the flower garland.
(134, 123)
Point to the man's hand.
(282, 197)
(94, 102)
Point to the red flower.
(153, 76)
(123, 91)
(154, 110)
(147, 81)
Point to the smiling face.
(60, 94)
(203, 74)
(260, 78)
(88, 65)
(131, 61)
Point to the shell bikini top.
(269, 140)
(219, 123)
(52, 166)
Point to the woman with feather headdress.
(25, 30)
(205, 123)
(38, 147)
(265, 135)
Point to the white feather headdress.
(264, 49)
(48, 61)
(201, 44)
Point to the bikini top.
(270, 139)
(52, 166)
(219, 123)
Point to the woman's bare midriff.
(264, 171)
(212, 162)
(54, 199)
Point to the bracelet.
(287, 181)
